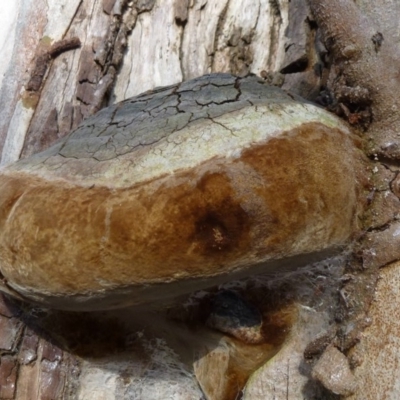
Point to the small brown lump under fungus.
(179, 189)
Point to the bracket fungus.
(178, 189)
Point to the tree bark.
(360, 50)
(363, 42)
(63, 61)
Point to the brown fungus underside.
(279, 201)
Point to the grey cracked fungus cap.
(178, 189)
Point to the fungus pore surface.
(178, 189)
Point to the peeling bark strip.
(42, 62)
(64, 45)
(39, 71)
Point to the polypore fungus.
(178, 189)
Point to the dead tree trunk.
(63, 61)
